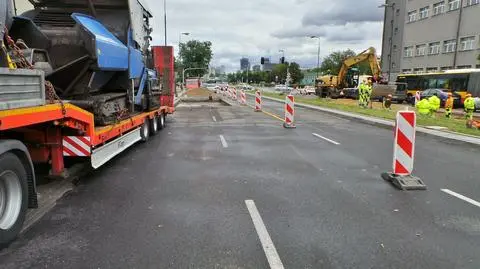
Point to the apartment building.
(432, 35)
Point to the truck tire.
(162, 122)
(13, 197)
(145, 130)
(154, 125)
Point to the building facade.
(244, 64)
(267, 65)
(392, 38)
(308, 78)
(431, 35)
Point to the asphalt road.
(225, 187)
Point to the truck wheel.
(162, 121)
(145, 131)
(154, 125)
(13, 197)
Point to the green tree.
(196, 54)
(295, 73)
(333, 62)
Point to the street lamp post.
(180, 39)
(179, 45)
(283, 56)
(318, 53)
(391, 35)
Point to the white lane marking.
(214, 119)
(267, 243)
(224, 142)
(464, 198)
(324, 138)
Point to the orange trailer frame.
(62, 120)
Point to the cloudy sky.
(256, 28)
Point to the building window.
(471, 2)
(432, 69)
(464, 67)
(406, 71)
(394, 65)
(396, 30)
(418, 70)
(408, 52)
(394, 48)
(420, 50)
(438, 8)
(424, 12)
(443, 68)
(434, 48)
(467, 43)
(477, 66)
(398, 11)
(449, 46)
(453, 4)
(412, 16)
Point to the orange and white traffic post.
(243, 98)
(258, 101)
(289, 112)
(235, 94)
(403, 153)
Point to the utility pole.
(165, 19)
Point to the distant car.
(443, 95)
(309, 90)
(245, 87)
(351, 93)
(280, 87)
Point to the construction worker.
(423, 107)
(449, 106)
(368, 92)
(417, 97)
(387, 102)
(361, 94)
(469, 105)
(434, 104)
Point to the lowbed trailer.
(60, 133)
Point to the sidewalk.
(384, 122)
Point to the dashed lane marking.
(224, 142)
(326, 139)
(267, 243)
(462, 197)
(214, 119)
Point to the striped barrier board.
(76, 146)
(258, 101)
(289, 111)
(404, 148)
(403, 154)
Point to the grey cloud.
(341, 12)
(250, 28)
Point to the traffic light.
(282, 60)
(262, 60)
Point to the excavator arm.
(369, 55)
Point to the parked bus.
(461, 81)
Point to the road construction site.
(226, 187)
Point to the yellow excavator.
(348, 77)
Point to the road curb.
(384, 123)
